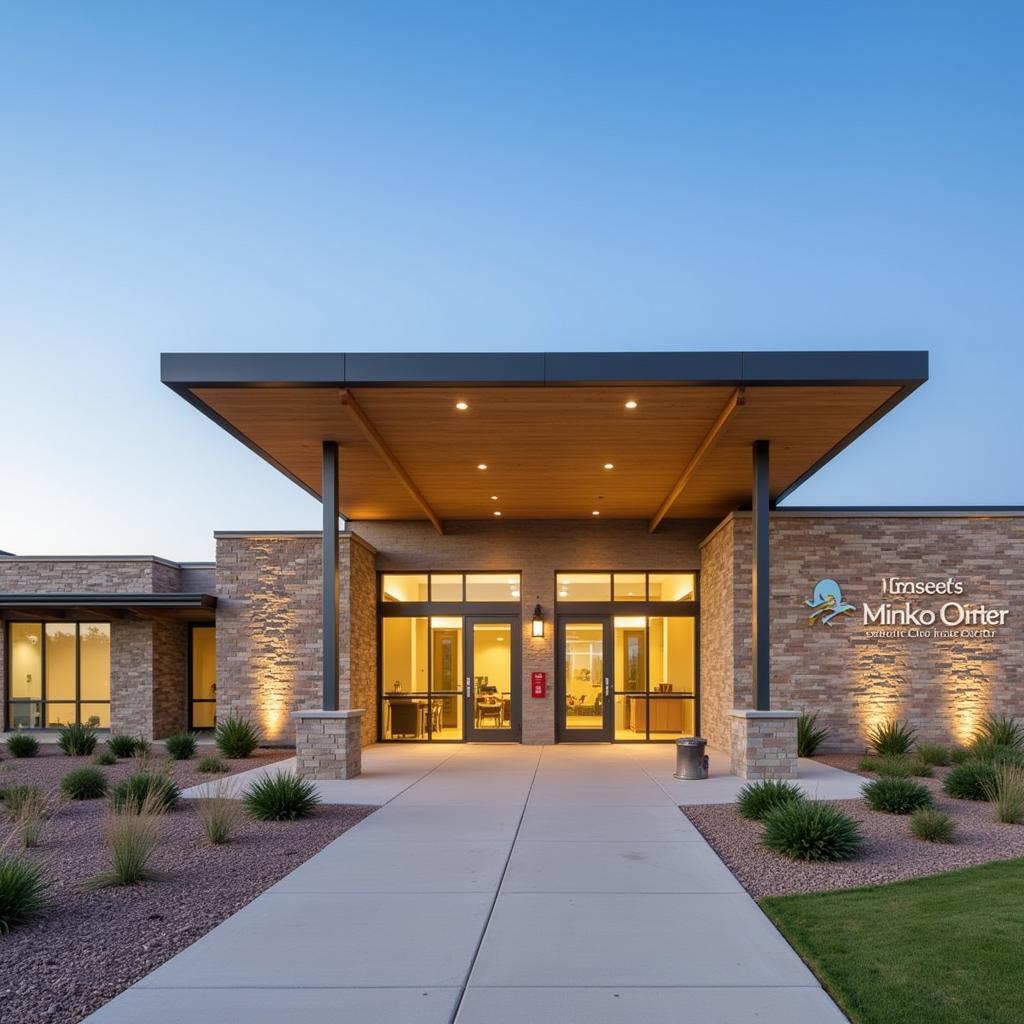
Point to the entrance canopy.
(546, 435)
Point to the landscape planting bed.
(89, 946)
(889, 854)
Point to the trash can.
(691, 761)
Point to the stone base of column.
(328, 744)
(763, 743)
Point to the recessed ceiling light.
(494, 497)
(609, 465)
(631, 404)
(595, 513)
(462, 406)
(481, 465)
(496, 512)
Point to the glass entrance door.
(584, 678)
(493, 683)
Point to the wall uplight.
(538, 621)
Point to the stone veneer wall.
(717, 576)
(537, 549)
(942, 686)
(269, 630)
(61, 575)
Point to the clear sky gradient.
(191, 176)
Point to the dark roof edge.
(108, 600)
(183, 371)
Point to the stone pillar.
(763, 743)
(328, 744)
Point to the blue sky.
(394, 176)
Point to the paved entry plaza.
(502, 884)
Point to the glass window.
(630, 586)
(404, 655)
(446, 587)
(26, 661)
(446, 654)
(481, 586)
(204, 677)
(61, 661)
(403, 587)
(94, 660)
(672, 654)
(671, 586)
(584, 675)
(69, 664)
(584, 586)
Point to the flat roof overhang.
(58, 607)
(545, 424)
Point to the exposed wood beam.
(736, 399)
(372, 435)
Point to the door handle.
(606, 686)
(469, 686)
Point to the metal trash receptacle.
(691, 761)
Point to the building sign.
(911, 609)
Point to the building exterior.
(541, 549)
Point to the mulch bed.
(889, 854)
(89, 946)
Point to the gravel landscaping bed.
(89, 946)
(49, 766)
(889, 853)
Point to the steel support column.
(760, 609)
(331, 576)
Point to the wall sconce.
(538, 621)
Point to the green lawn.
(942, 950)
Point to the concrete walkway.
(500, 884)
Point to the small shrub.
(219, 812)
(132, 835)
(281, 797)
(958, 755)
(936, 754)
(811, 830)
(932, 826)
(142, 787)
(16, 796)
(1002, 730)
(22, 745)
(181, 747)
(122, 746)
(756, 799)
(920, 769)
(31, 813)
(892, 738)
(84, 784)
(76, 740)
(142, 747)
(236, 737)
(105, 757)
(897, 796)
(809, 735)
(211, 764)
(1006, 792)
(22, 890)
(985, 749)
(970, 781)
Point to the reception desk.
(667, 714)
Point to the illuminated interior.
(204, 677)
(59, 674)
(626, 586)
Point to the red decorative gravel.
(89, 946)
(890, 853)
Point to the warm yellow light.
(481, 465)
(537, 623)
(609, 465)
(595, 513)
(631, 404)
(462, 406)
(497, 512)
(494, 497)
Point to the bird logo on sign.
(827, 603)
